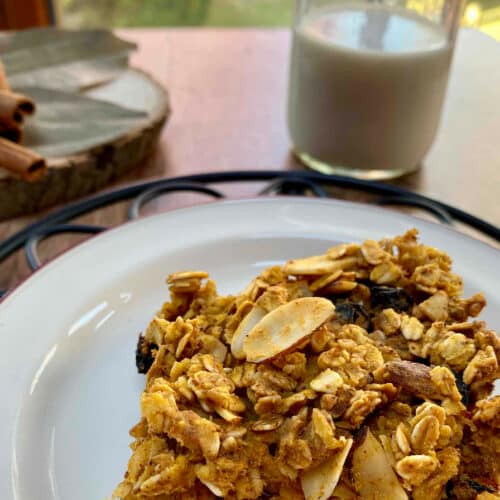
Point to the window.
(482, 14)
(77, 13)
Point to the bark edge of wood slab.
(81, 174)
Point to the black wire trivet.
(284, 183)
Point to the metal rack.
(278, 182)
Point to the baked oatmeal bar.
(359, 373)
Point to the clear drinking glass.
(367, 83)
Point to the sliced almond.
(319, 264)
(372, 474)
(343, 492)
(254, 289)
(285, 327)
(340, 287)
(344, 249)
(228, 415)
(338, 251)
(212, 487)
(321, 282)
(212, 345)
(244, 328)
(318, 483)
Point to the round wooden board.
(81, 174)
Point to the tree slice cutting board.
(73, 171)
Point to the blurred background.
(481, 14)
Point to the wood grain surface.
(228, 95)
(79, 174)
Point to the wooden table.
(228, 91)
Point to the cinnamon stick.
(13, 134)
(20, 161)
(4, 84)
(13, 107)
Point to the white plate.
(68, 383)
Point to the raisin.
(463, 388)
(464, 488)
(352, 312)
(144, 355)
(480, 487)
(387, 297)
(450, 486)
(422, 361)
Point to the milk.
(367, 85)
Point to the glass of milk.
(367, 83)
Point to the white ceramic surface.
(68, 383)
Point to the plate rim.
(11, 294)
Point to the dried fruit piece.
(389, 297)
(286, 326)
(318, 483)
(352, 312)
(372, 473)
(144, 354)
